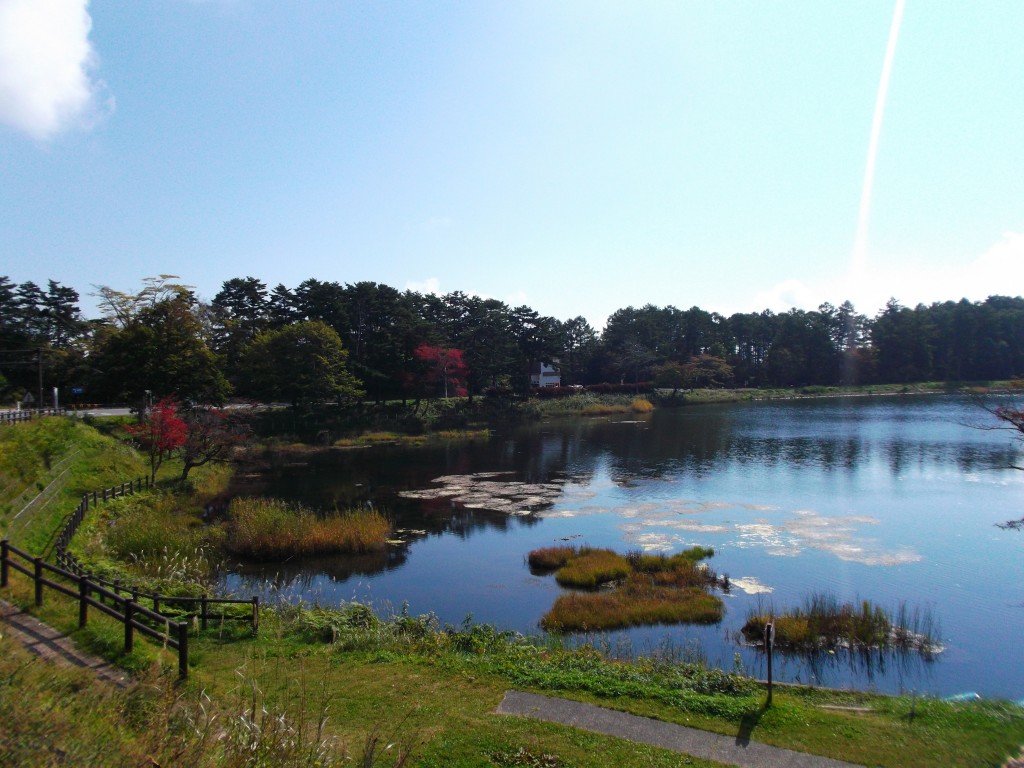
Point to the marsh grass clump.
(270, 529)
(641, 405)
(547, 559)
(825, 622)
(462, 434)
(634, 604)
(590, 568)
(647, 589)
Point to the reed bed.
(825, 622)
(636, 405)
(647, 563)
(271, 529)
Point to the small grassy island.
(628, 590)
(823, 623)
(271, 529)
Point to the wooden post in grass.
(183, 649)
(129, 616)
(38, 577)
(83, 601)
(769, 643)
(4, 555)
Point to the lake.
(889, 499)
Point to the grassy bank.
(348, 678)
(585, 404)
(341, 676)
(699, 396)
(45, 467)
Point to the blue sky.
(576, 157)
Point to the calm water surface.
(891, 499)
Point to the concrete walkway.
(731, 750)
(53, 646)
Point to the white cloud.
(433, 285)
(999, 270)
(430, 285)
(517, 298)
(46, 62)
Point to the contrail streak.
(860, 246)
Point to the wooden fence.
(156, 621)
(173, 634)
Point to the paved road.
(731, 750)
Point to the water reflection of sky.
(889, 499)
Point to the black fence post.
(255, 614)
(769, 643)
(156, 603)
(38, 576)
(202, 611)
(83, 601)
(4, 555)
(129, 615)
(183, 649)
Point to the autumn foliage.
(161, 433)
(444, 367)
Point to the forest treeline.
(329, 340)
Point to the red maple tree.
(160, 434)
(444, 366)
